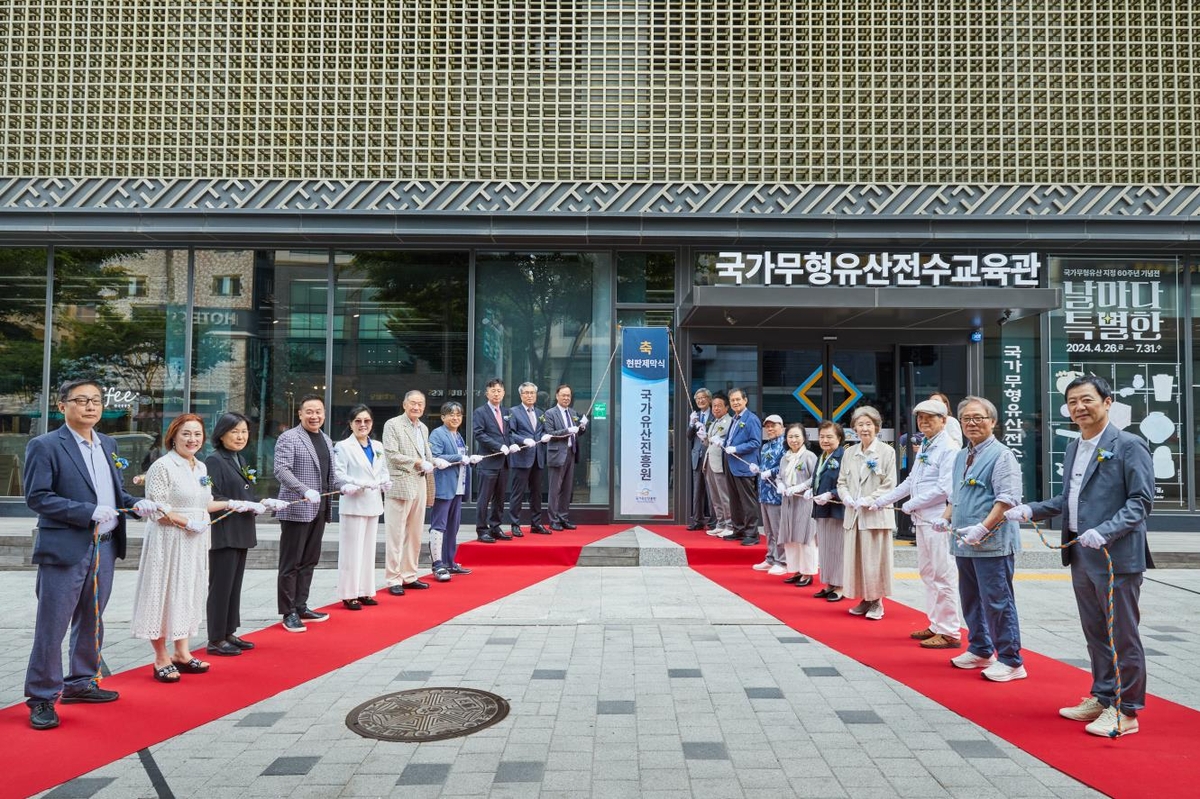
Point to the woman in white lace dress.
(172, 584)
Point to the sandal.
(193, 666)
(163, 673)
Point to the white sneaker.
(776, 570)
(1002, 672)
(875, 612)
(1107, 724)
(762, 567)
(1087, 710)
(716, 531)
(969, 660)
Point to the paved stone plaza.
(624, 681)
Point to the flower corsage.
(970, 480)
(873, 465)
(119, 462)
(1104, 455)
(923, 458)
(251, 475)
(205, 480)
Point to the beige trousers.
(403, 520)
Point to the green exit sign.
(600, 410)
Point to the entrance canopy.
(886, 308)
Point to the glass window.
(400, 323)
(227, 286)
(1120, 320)
(644, 277)
(22, 326)
(132, 343)
(547, 318)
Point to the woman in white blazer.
(359, 461)
(868, 472)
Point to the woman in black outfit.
(232, 536)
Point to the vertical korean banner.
(644, 421)
(1120, 321)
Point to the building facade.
(232, 205)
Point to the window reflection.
(22, 328)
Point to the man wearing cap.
(928, 487)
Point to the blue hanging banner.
(644, 422)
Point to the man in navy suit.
(1107, 493)
(72, 483)
(527, 462)
(562, 453)
(742, 445)
(491, 432)
(697, 436)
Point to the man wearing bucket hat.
(928, 487)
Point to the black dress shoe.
(793, 579)
(732, 537)
(395, 590)
(240, 643)
(556, 526)
(351, 604)
(500, 535)
(569, 526)
(43, 716)
(750, 541)
(367, 600)
(537, 528)
(693, 527)
(486, 538)
(516, 530)
(416, 584)
(93, 694)
(804, 582)
(222, 648)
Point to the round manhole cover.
(427, 714)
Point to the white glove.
(583, 420)
(386, 485)
(270, 503)
(240, 506)
(313, 496)
(795, 491)
(1019, 513)
(504, 449)
(717, 441)
(808, 494)
(257, 508)
(573, 429)
(971, 536)
(765, 473)
(441, 463)
(693, 418)
(529, 442)
(146, 507)
(823, 499)
(874, 505)
(940, 525)
(731, 449)
(474, 459)
(546, 438)
(701, 434)
(755, 470)
(907, 507)
(194, 526)
(349, 489)
(104, 514)
(425, 466)
(864, 503)
(1091, 539)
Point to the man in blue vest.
(742, 444)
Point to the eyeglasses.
(975, 419)
(85, 402)
(362, 421)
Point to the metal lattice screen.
(865, 91)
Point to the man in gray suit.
(697, 435)
(562, 453)
(1108, 490)
(72, 484)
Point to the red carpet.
(1163, 758)
(562, 548)
(149, 712)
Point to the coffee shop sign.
(120, 398)
(1022, 270)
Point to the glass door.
(809, 384)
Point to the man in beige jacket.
(409, 460)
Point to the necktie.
(532, 420)
(567, 423)
(499, 421)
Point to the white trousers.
(940, 575)
(403, 520)
(356, 556)
(801, 557)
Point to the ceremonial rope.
(96, 600)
